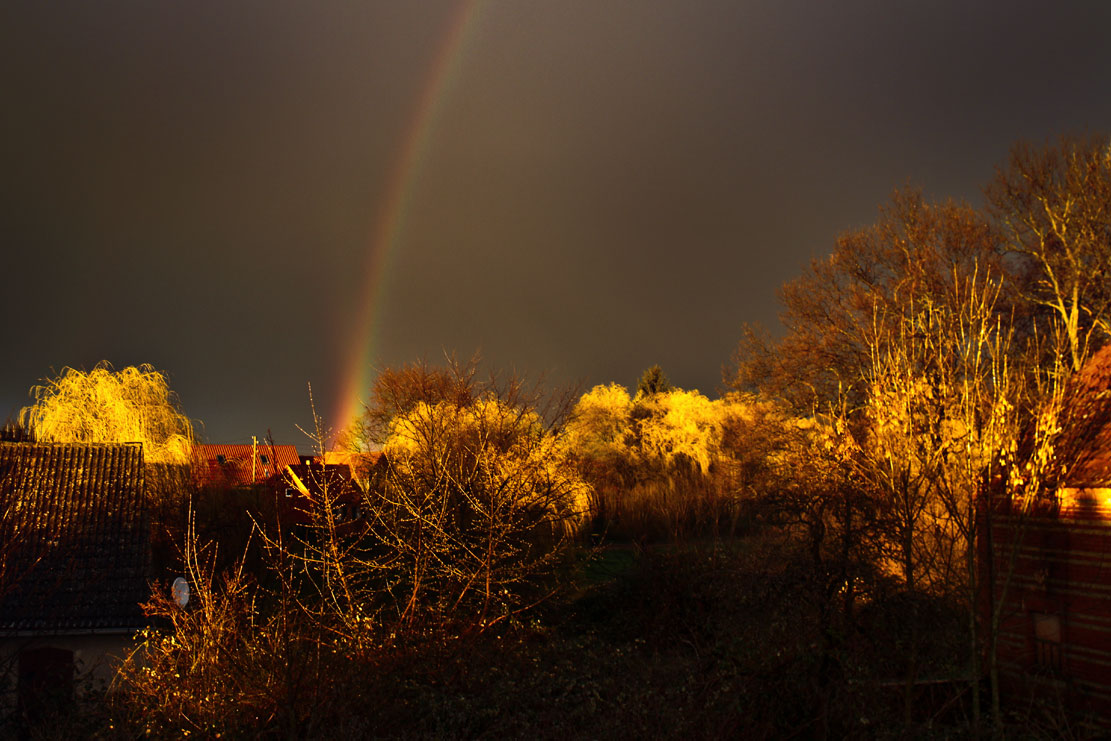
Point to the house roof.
(74, 538)
(313, 480)
(1084, 448)
(240, 465)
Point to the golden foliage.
(476, 500)
(659, 428)
(680, 423)
(131, 405)
(600, 421)
(491, 446)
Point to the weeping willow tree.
(104, 405)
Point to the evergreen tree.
(653, 381)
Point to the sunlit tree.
(670, 463)
(903, 337)
(677, 425)
(655, 430)
(1054, 205)
(599, 422)
(476, 498)
(103, 405)
(847, 305)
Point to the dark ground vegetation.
(710, 638)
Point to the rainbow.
(358, 367)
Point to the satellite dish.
(180, 591)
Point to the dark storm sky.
(609, 183)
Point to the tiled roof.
(1084, 448)
(76, 542)
(231, 465)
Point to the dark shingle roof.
(77, 552)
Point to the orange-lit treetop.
(103, 405)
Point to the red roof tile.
(240, 465)
(1084, 447)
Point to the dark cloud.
(608, 185)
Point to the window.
(264, 459)
(1047, 641)
(221, 459)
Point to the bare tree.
(1054, 204)
(963, 386)
(848, 304)
(471, 502)
(906, 330)
(477, 496)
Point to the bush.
(476, 501)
